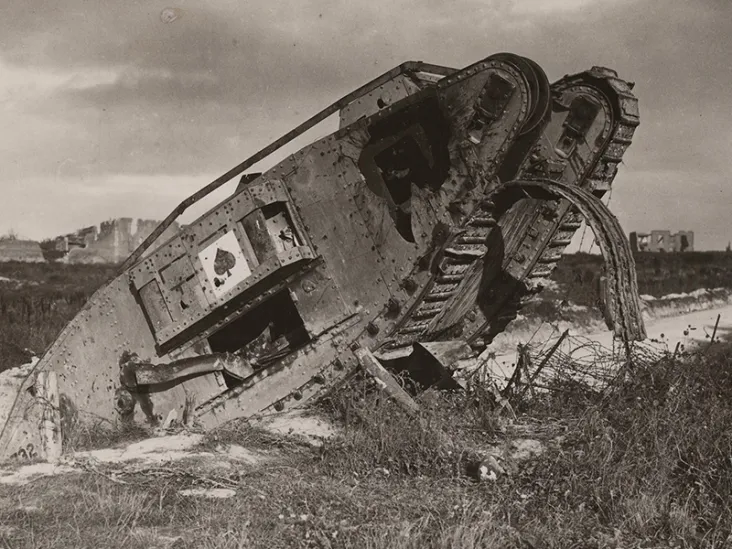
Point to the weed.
(87, 435)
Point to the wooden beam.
(388, 384)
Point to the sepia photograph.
(395, 275)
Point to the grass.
(647, 464)
(36, 302)
(91, 436)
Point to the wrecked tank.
(412, 234)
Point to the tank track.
(542, 245)
(558, 221)
(466, 248)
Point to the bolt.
(409, 285)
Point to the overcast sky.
(111, 109)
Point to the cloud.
(93, 92)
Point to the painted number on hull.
(224, 263)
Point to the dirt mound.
(678, 304)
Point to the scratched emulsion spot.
(168, 15)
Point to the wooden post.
(716, 324)
(530, 382)
(676, 349)
(516, 375)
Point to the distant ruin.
(16, 249)
(110, 242)
(662, 241)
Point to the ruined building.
(662, 241)
(16, 249)
(110, 242)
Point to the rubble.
(110, 241)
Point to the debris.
(487, 474)
(522, 449)
(489, 469)
(432, 363)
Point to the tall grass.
(36, 302)
(651, 458)
(644, 463)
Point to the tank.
(442, 203)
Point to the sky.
(113, 109)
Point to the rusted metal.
(408, 67)
(441, 203)
(135, 374)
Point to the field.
(645, 461)
(36, 300)
(658, 274)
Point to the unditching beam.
(386, 381)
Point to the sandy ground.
(299, 423)
(581, 320)
(664, 334)
(146, 453)
(179, 447)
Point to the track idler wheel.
(539, 90)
